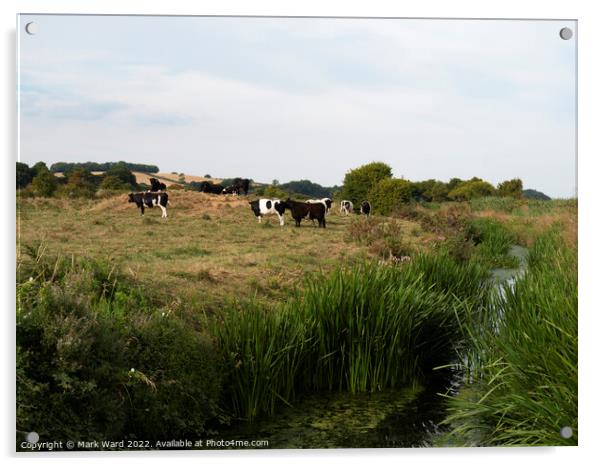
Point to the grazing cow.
(150, 200)
(300, 210)
(156, 185)
(346, 207)
(242, 184)
(231, 190)
(261, 207)
(366, 208)
(207, 187)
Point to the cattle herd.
(314, 209)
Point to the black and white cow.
(261, 207)
(365, 208)
(231, 190)
(150, 200)
(156, 185)
(346, 207)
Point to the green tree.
(471, 190)
(511, 188)
(24, 175)
(359, 181)
(389, 194)
(121, 171)
(113, 182)
(44, 184)
(79, 184)
(39, 168)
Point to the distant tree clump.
(114, 183)
(121, 171)
(61, 167)
(471, 189)
(308, 188)
(511, 188)
(44, 184)
(389, 194)
(24, 175)
(359, 181)
(79, 184)
(208, 176)
(430, 190)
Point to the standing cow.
(346, 207)
(365, 208)
(300, 210)
(156, 185)
(150, 200)
(261, 207)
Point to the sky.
(303, 98)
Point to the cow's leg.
(259, 218)
(163, 211)
(281, 218)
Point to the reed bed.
(524, 358)
(362, 328)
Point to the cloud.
(310, 99)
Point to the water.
(388, 419)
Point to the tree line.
(375, 182)
(63, 167)
(39, 180)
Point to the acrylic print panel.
(248, 232)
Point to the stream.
(387, 419)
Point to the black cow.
(365, 208)
(207, 187)
(300, 210)
(156, 185)
(150, 200)
(242, 184)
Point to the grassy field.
(209, 249)
(137, 316)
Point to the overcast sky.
(289, 99)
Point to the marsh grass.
(523, 361)
(361, 328)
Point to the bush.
(114, 183)
(511, 188)
(24, 175)
(359, 181)
(389, 194)
(471, 189)
(44, 184)
(81, 329)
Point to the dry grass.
(210, 249)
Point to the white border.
(590, 77)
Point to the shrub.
(81, 328)
(114, 183)
(44, 184)
(389, 194)
(359, 181)
(511, 188)
(471, 189)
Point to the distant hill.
(534, 194)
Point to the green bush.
(359, 181)
(44, 184)
(81, 329)
(389, 194)
(471, 189)
(511, 188)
